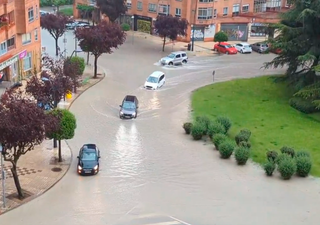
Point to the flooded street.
(151, 172)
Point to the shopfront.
(258, 30)
(235, 32)
(9, 69)
(142, 24)
(198, 33)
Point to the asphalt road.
(151, 173)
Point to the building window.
(235, 10)
(205, 0)
(152, 7)
(3, 48)
(27, 61)
(215, 13)
(128, 5)
(11, 43)
(245, 8)
(225, 11)
(36, 34)
(26, 38)
(139, 5)
(37, 12)
(164, 9)
(178, 12)
(205, 13)
(30, 14)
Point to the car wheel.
(227, 53)
(170, 63)
(120, 117)
(184, 61)
(241, 52)
(135, 116)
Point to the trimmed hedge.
(215, 128)
(205, 121)
(225, 121)
(303, 105)
(187, 127)
(282, 157)
(226, 149)
(287, 150)
(287, 167)
(272, 156)
(245, 144)
(269, 167)
(304, 165)
(197, 131)
(125, 27)
(302, 153)
(79, 62)
(218, 139)
(242, 155)
(243, 135)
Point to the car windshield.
(171, 56)
(152, 80)
(128, 105)
(228, 46)
(89, 155)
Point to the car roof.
(178, 52)
(156, 74)
(130, 98)
(224, 43)
(89, 146)
(244, 43)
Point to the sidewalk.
(38, 170)
(201, 48)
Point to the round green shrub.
(269, 167)
(215, 128)
(272, 155)
(187, 127)
(246, 132)
(242, 155)
(287, 167)
(287, 150)
(225, 121)
(197, 131)
(282, 157)
(245, 144)
(302, 153)
(79, 62)
(304, 165)
(205, 121)
(241, 138)
(218, 139)
(226, 149)
(125, 27)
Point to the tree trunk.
(164, 43)
(16, 180)
(55, 105)
(95, 66)
(60, 156)
(74, 86)
(88, 55)
(57, 50)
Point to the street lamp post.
(132, 21)
(3, 176)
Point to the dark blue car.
(88, 160)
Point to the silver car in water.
(175, 58)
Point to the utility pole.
(194, 22)
(3, 176)
(65, 44)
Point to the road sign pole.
(3, 176)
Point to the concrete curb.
(71, 154)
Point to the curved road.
(151, 173)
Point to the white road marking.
(164, 223)
(146, 216)
(181, 221)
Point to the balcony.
(4, 22)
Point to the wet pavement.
(151, 172)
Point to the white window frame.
(139, 5)
(36, 34)
(14, 43)
(164, 9)
(205, 13)
(30, 14)
(235, 9)
(205, 1)
(3, 48)
(152, 7)
(225, 11)
(27, 62)
(26, 38)
(178, 12)
(245, 8)
(215, 13)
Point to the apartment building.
(20, 40)
(240, 19)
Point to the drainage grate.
(56, 169)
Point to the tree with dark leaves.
(112, 8)
(55, 25)
(53, 83)
(68, 124)
(170, 27)
(100, 39)
(23, 125)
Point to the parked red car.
(225, 47)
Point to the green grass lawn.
(261, 105)
(67, 11)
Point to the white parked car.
(243, 47)
(156, 80)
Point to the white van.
(156, 80)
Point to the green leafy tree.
(66, 128)
(220, 37)
(170, 27)
(85, 11)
